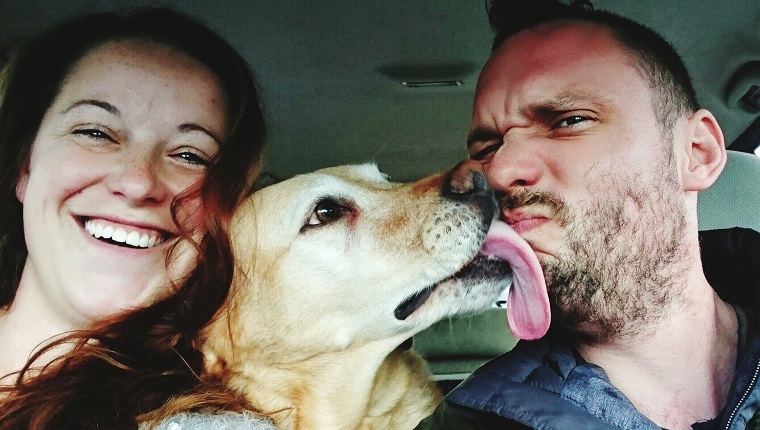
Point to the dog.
(338, 268)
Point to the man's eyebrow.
(189, 126)
(565, 102)
(482, 134)
(544, 108)
(108, 107)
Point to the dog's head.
(342, 256)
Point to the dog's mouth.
(481, 268)
(411, 304)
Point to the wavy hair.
(131, 364)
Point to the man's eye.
(484, 155)
(570, 121)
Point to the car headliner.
(331, 70)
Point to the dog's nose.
(465, 180)
(467, 183)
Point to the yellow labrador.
(338, 268)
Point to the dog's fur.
(311, 331)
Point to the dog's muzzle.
(480, 270)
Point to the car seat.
(457, 346)
(734, 199)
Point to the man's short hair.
(660, 64)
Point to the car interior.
(392, 83)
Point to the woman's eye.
(193, 158)
(94, 134)
(326, 211)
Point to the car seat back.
(734, 199)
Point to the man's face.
(563, 122)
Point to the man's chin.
(547, 259)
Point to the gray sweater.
(220, 421)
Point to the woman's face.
(134, 125)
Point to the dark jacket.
(544, 384)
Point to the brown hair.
(657, 60)
(132, 363)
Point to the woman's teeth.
(132, 238)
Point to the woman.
(125, 144)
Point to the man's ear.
(705, 151)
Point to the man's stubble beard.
(624, 263)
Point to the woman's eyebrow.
(108, 107)
(113, 110)
(190, 126)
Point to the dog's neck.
(357, 388)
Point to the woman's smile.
(124, 235)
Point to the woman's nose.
(137, 177)
(514, 165)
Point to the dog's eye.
(325, 212)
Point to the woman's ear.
(705, 151)
(23, 180)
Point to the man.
(588, 126)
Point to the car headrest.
(734, 199)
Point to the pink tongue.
(528, 311)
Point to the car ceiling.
(331, 71)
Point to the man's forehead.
(558, 48)
(559, 66)
(572, 36)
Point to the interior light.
(430, 84)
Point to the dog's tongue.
(528, 311)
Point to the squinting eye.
(484, 155)
(93, 133)
(326, 211)
(570, 121)
(192, 158)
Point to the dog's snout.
(466, 180)
(467, 183)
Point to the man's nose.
(515, 165)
